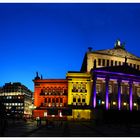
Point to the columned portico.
(107, 90)
(130, 95)
(94, 91)
(125, 76)
(119, 94)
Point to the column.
(119, 94)
(107, 90)
(130, 95)
(94, 91)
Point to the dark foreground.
(71, 129)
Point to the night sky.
(53, 38)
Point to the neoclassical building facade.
(116, 87)
(50, 97)
(109, 57)
(79, 94)
(108, 78)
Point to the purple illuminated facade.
(119, 86)
(94, 91)
(130, 96)
(119, 94)
(107, 88)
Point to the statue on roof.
(37, 76)
(119, 45)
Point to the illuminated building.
(17, 98)
(117, 86)
(108, 79)
(50, 97)
(79, 95)
(109, 57)
(115, 77)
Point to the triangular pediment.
(117, 52)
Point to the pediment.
(117, 52)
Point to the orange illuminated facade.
(50, 97)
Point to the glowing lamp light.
(124, 103)
(53, 115)
(135, 104)
(114, 103)
(60, 114)
(45, 114)
(103, 102)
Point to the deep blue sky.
(53, 38)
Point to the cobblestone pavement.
(19, 128)
(71, 129)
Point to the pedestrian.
(37, 120)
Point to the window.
(49, 100)
(74, 99)
(84, 87)
(127, 90)
(56, 100)
(74, 87)
(111, 62)
(98, 88)
(79, 87)
(61, 100)
(45, 100)
(107, 62)
(138, 67)
(134, 65)
(99, 62)
(110, 89)
(103, 62)
(119, 62)
(53, 100)
(83, 100)
(115, 63)
(79, 100)
(138, 92)
(130, 64)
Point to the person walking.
(37, 120)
